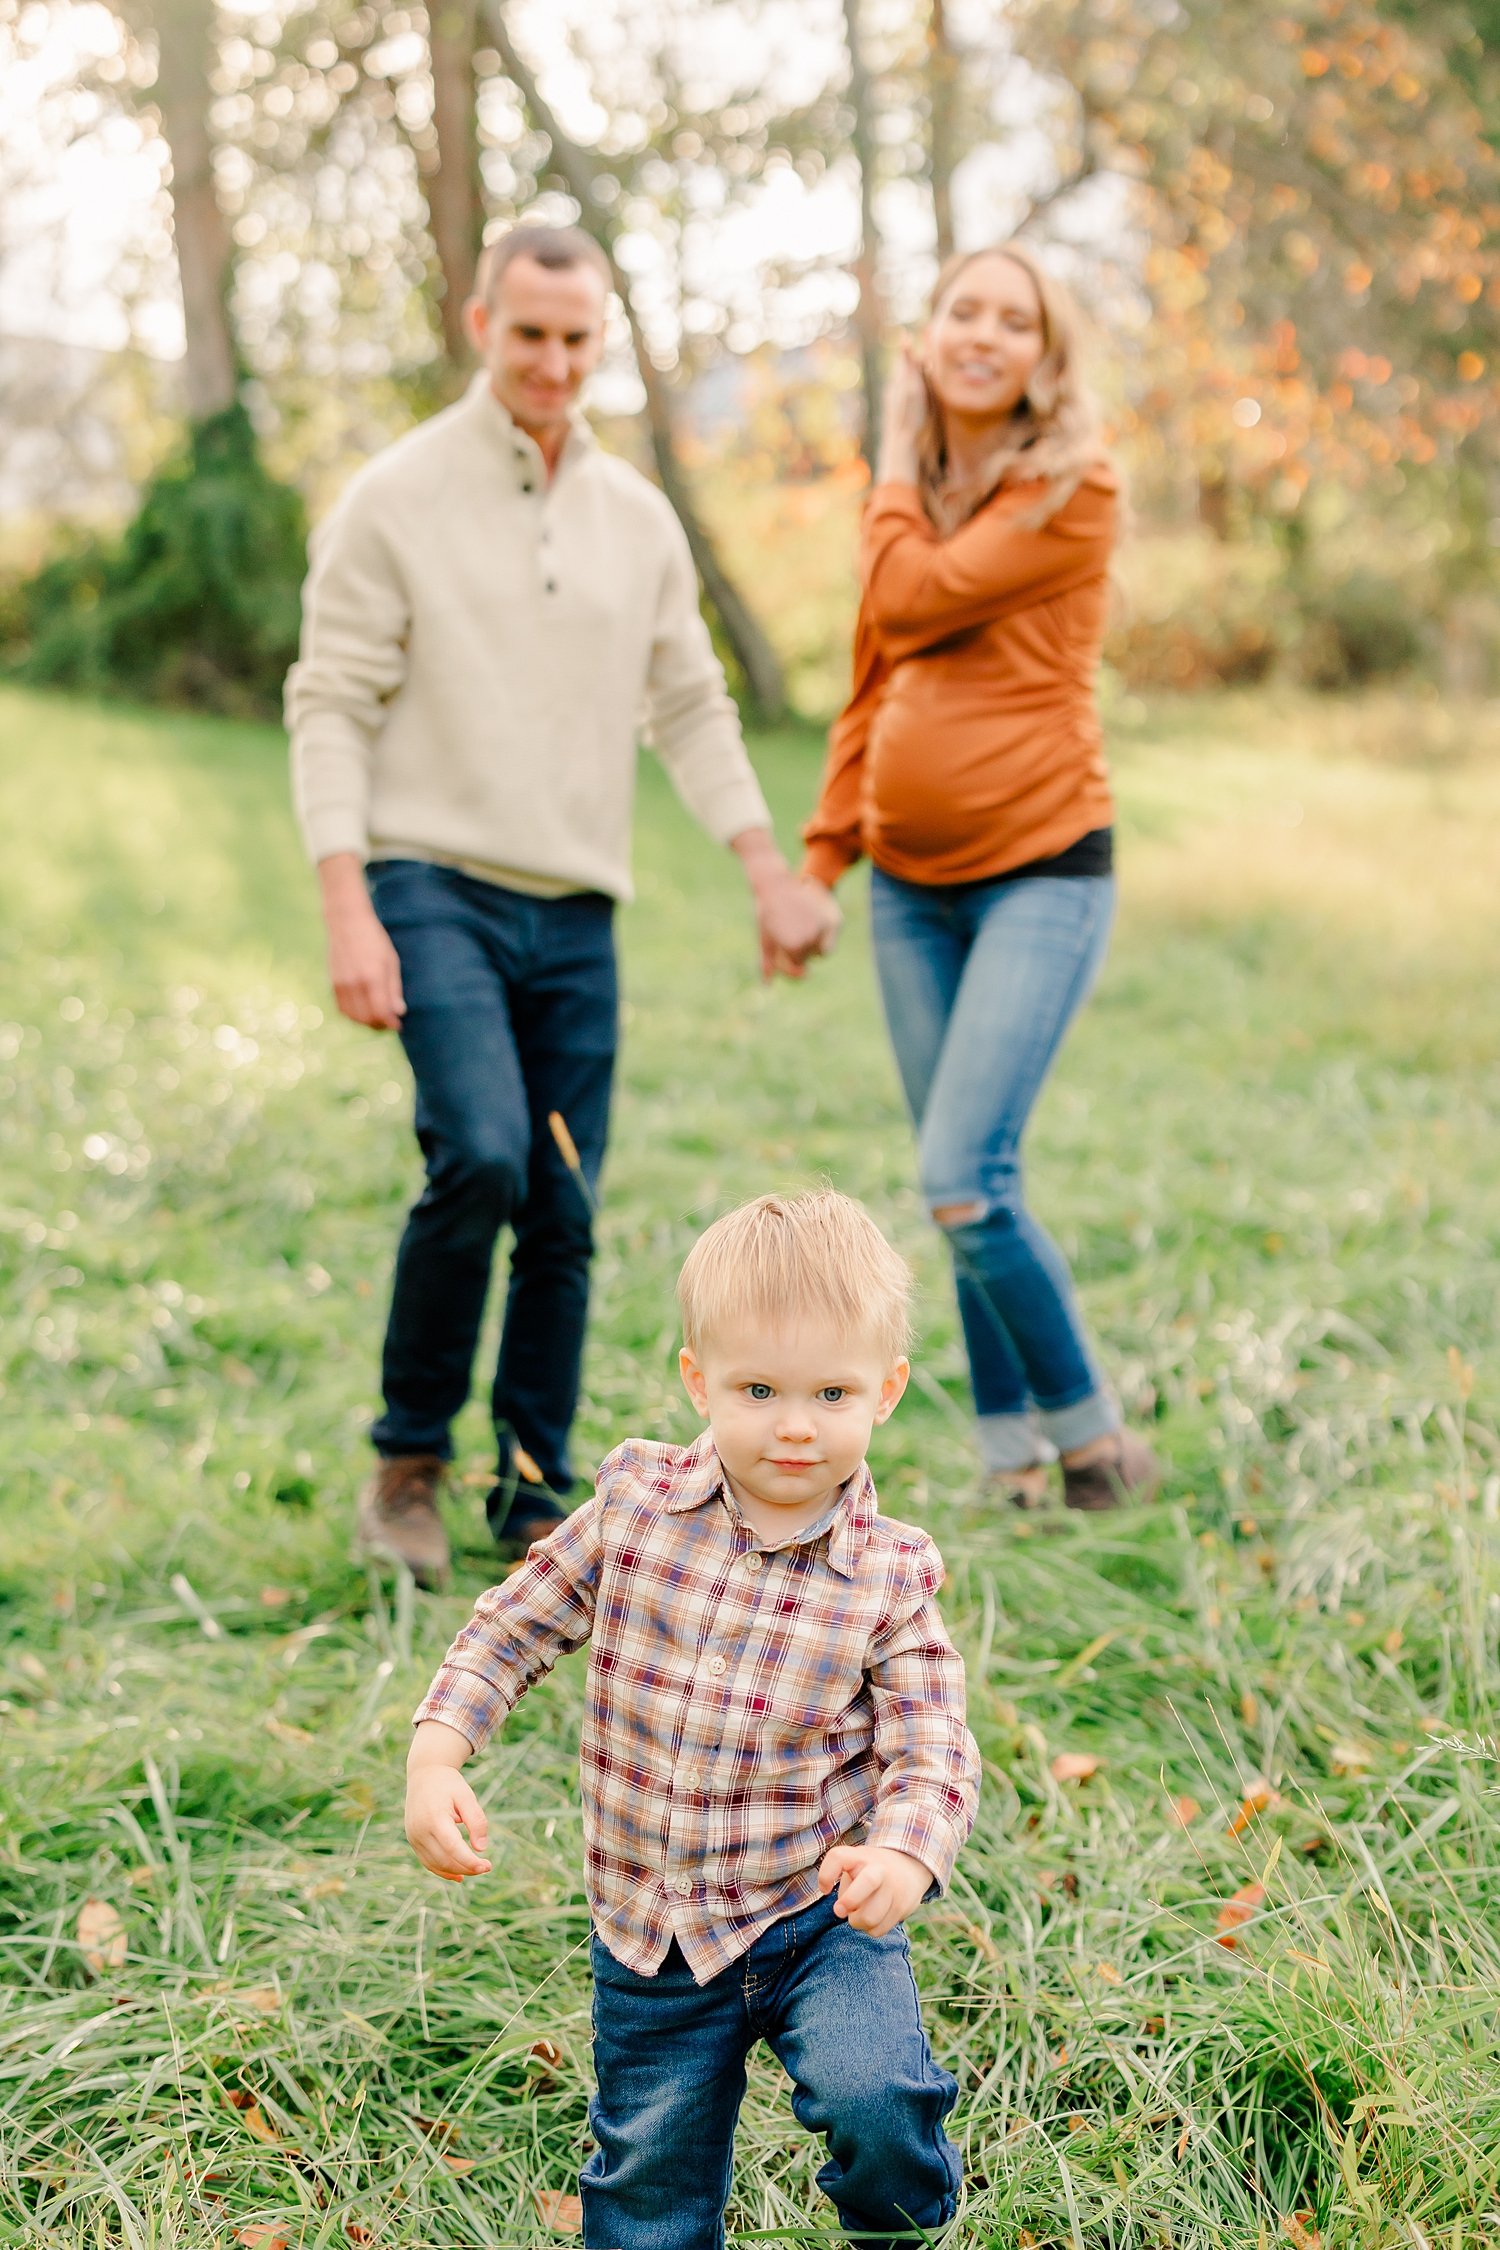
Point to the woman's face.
(984, 341)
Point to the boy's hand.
(878, 1887)
(439, 1802)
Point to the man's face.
(539, 339)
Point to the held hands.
(877, 1887)
(439, 1803)
(797, 919)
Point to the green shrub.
(1194, 612)
(1356, 629)
(196, 602)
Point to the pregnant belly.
(934, 787)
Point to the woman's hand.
(903, 415)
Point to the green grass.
(1270, 1149)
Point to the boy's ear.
(892, 1388)
(693, 1382)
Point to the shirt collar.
(514, 440)
(701, 1478)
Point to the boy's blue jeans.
(511, 1012)
(839, 2011)
(980, 982)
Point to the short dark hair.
(556, 248)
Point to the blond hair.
(1052, 437)
(786, 1255)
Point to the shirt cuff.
(825, 861)
(922, 1833)
(466, 1701)
(896, 499)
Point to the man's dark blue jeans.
(511, 1012)
(839, 2011)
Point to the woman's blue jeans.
(839, 2011)
(980, 982)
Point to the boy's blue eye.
(832, 1392)
(759, 1390)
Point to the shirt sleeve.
(691, 718)
(921, 589)
(518, 1631)
(356, 618)
(929, 1784)
(833, 835)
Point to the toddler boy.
(775, 1765)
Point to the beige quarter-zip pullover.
(481, 652)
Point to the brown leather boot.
(397, 1517)
(1131, 1472)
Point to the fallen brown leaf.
(460, 2164)
(1074, 1765)
(274, 2235)
(1183, 1811)
(101, 1934)
(563, 2213)
(358, 2232)
(1107, 1972)
(254, 2118)
(1236, 1911)
(1257, 1798)
(275, 1597)
(437, 2128)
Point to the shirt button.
(717, 1667)
(753, 1561)
(681, 1886)
(692, 1781)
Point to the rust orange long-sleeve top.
(971, 743)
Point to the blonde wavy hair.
(1053, 437)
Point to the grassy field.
(1271, 1150)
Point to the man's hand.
(363, 967)
(796, 917)
(877, 1887)
(439, 1803)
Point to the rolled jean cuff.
(1012, 1441)
(1070, 1426)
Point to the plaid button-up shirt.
(749, 1704)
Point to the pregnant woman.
(967, 766)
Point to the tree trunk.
(185, 45)
(868, 322)
(757, 659)
(942, 93)
(455, 207)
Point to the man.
(491, 608)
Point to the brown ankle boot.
(1131, 1472)
(397, 1517)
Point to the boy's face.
(791, 1408)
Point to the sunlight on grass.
(1232, 1984)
